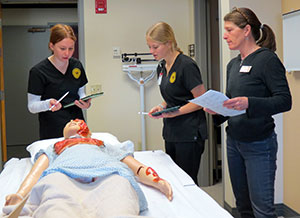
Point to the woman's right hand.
(57, 105)
(155, 109)
(209, 111)
(12, 199)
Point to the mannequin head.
(77, 126)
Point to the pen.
(58, 101)
(143, 113)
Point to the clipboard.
(167, 110)
(85, 98)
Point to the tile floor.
(216, 192)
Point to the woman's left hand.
(164, 115)
(83, 104)
(170, 114)
(238, 103)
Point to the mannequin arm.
(148, 176)
(31, 179)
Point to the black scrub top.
(176, 88)
(48, 82)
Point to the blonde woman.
(179, 79)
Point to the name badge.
(245, 69)
(159, 79)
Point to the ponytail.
(267, 38)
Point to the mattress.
(188, 199)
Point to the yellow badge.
(76, 73)
(173, 77)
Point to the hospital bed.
(189, 200)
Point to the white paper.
(213, 100)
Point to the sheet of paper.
(214, 101)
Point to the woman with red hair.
(52, 78)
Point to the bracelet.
(20, 196)
(160, 105)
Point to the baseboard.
(281, 210)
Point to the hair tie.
(261, 26)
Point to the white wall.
(125, 26)
(272, 18)
(225, 57)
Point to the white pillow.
(107, 138)
(111, 140)
(35, 147)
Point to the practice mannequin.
(77, 136)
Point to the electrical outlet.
(96, 88)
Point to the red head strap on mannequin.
(62, 145)
(84, 129)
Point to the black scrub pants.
(187, 155)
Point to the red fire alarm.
(101, 6)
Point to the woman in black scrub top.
(54, 76)
(179, 79)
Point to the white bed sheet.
(189, 200)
